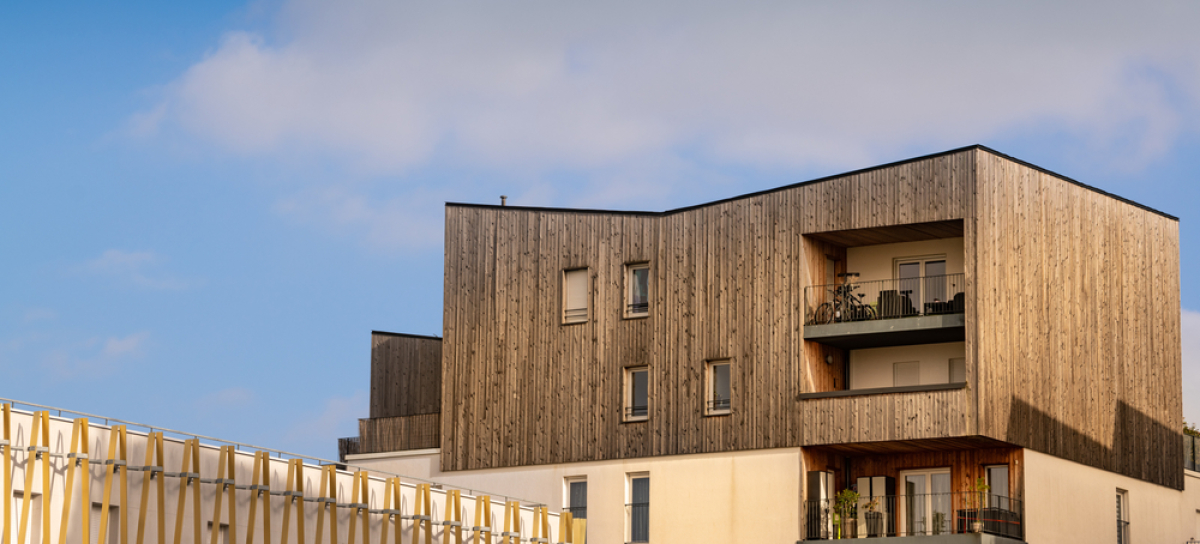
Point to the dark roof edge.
(406, 335)
(820, 180)
(1077, 182)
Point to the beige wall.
(1069, 502)
(873, 367)
(878, 262)
(750, 496)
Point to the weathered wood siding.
(1078, 323)
(728, 282)
(406, 375)
(385, 434)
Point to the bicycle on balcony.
(846, 305)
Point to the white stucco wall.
(877, 262)
(873, 367)
(1069, 502)
(722, 497)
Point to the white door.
(925, 502)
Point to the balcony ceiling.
(911, 446)
(914, 232)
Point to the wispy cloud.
(96, 356)
(337, 417)
(137, 268)
(39, 314)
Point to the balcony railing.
(915, 515)
(883, 299)
(350, 445)
(719, 406)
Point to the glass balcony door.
(925, 502)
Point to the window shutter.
(575, 300)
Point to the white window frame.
(567, 490)
(710, 384)
(629, 478)
(1123, 516)
(927, 507)
(630, 268)
(627, 404)
(571, 319)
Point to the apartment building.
(980, 349)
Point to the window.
(997, 481)
(575, 295)
(719, 400)
(637, 397)
(637, 508)
(222, 533)
(926, 504)
(958, 370)
(577, 497)
(904, 374)
(113, 527)
(637, 287)
(1122, 516)
(35, 515)
(923, 278)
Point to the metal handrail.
(280, 454)
(884, 299)
(916, 514)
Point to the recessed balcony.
(855, 314)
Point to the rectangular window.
(113, 526)
(638, 508)
(575, 295)
(904, 374)
(958, 370)
(222, 533)
(720, 399)
(577, 497)
(1122, 516)
(637, 394)
(637, 287)
(35, 516)
(997, 481)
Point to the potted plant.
(874, 518)
(975, 501)
(846, 501)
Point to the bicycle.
(846, 304)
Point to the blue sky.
(205, 209)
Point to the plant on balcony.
(874, 518)
(844, 506)
(975, 501)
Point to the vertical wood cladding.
(1072, 312)
(406, 375)
(1078, 323)
(727, 283)
(966, 465)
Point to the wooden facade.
(406, 374)
(728, 278)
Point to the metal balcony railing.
(883, 299)
(915, 515)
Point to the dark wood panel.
(406, 374)
(399, 433)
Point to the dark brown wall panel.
(406, 375)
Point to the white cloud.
(95, 357)
(134, 267)
(1190, 331)
(386, 85)
(619, 92)
(337, 418)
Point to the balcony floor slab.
(906, 331)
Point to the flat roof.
(822, 179)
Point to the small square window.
(575, 295)
(720, 389)
(637, 394)
(637, 290)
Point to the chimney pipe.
(503, 200)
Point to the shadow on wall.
(1141, 447)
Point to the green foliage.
(1190, 429)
